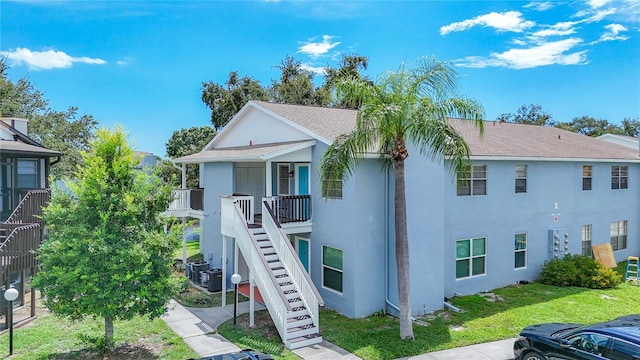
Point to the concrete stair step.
(301, 331)
(299, 321)
(303, 341)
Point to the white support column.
(184, 242)
(268, 182)
(252, 303)
(184, 175)
(224, 270)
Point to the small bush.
(579, 270)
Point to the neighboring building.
(529, 187)
(24, 173)
(147, 159)
(628, 141)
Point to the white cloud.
(505, 21)
(596, 4)
(549, 53)
(540, 6)
(314, 69)
(46, 60)
(558, 29)
(612, 33)
(317, 49)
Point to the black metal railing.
(292, 208)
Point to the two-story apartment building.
(24, 171)
(532, 193)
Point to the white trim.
(525, 251)
(548, 159)
(322, 266)
(297, 241)
(281, 165)
(268, 155)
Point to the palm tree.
(410, 106)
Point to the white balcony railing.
(291, 261)
(274, 299)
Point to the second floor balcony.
(187, 203)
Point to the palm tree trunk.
(108, 330)
(402, 252)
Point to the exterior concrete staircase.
(286, 288)
(300, 328)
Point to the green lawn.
(49, 337)
(193, 252)
(376, 337)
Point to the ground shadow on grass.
(123, 352)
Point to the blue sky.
(141, 64)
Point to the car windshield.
(568, 331)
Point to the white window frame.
(618, 230)
(280, 180)
(471, 257)
(518, 251)
(334, 192)
(520, 174)
(586, 243)
(587, 174)
(619, 177)
(470, 175)
(332, 268)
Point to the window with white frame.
(586, 177)
(521, 251)
(472, 181)
(618, 232)
(586, 240)
(332, 268)
(283, 179)
(471, 257)
(619, 177)
(332, 189)
(521, 178)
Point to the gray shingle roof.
(531, 141)
(327, 123)
(17, 147)
(500, 140)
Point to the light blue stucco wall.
(502, 213)
(354, 224)
(217, 180)
(424, 181)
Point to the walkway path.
(197, 327)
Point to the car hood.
(547, 329)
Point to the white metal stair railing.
(275, 300)
(299, 276)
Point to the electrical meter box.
(558, 243)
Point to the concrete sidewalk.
(197, 327)
(496, 350)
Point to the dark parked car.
(617, 339)
(246, 354)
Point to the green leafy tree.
(296, 86)
(107, 255)
(19, 99)
(529, 115)
(186, 142)
(631, 127)
(227, 99)
(62, 131)
(589, 126)
(350, 67)
(408, 106)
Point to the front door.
(302, 245)
(302, 186)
